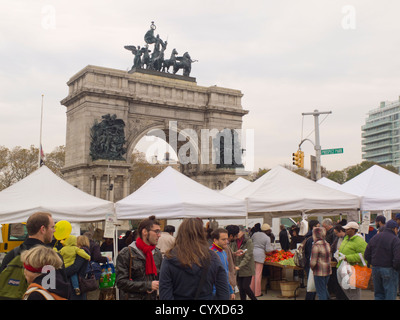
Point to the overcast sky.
(286, 57)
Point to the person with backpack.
(44, 285)
(40, 227)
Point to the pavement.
(277, 295)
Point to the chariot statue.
(155, 61)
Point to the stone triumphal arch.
(109, 111)
(140, 102)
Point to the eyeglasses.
(158, 231)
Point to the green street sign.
(332, 151)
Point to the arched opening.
(150, 153)
(156, 150)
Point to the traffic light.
(298, 159)
(301, 156)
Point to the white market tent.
(236, 186)
(329, 183)
(378, 188)
(283, 193)
(172, 195)
(43, 190)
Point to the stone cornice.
(118, 84)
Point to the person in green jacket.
(352, 245)
(245, 265)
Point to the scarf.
(216, 247)
(147, 250)
(239, 242)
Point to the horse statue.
(157, 57)
(185, 63)
(170, 62)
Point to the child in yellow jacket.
(69, 252)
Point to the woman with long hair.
(190, 270)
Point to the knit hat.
(391, 224)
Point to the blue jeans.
(321, 286)
(75, 281)
(385, 283)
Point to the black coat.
(284, 239)
(78, 267)
(29, 243)
(181, 283)
(136, 284)
(95, 253)
(308, 249)
(383, 250)
(61, 288)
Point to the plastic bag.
(352, 277)
(107, 278)
(344, 271)
(310, 282)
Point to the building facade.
(381, 135)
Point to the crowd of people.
(204, 263)
(342, 243)
(189, 266)
(68, 259)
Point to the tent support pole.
(115, 256)
(247, 215)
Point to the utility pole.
(40, 142)
(317, 145)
